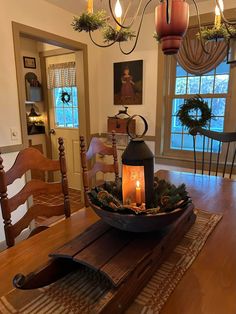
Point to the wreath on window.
(187, 118)
(65, 97)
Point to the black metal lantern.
(137, 170)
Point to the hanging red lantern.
(171, 24)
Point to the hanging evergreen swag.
(186, 116)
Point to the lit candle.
(118, 14)
(138, 194)
(90, 6)
(218, 10)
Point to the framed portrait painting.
(128, 83)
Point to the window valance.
(192, 57)
(61, 75)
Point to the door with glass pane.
(64, 122)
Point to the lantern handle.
(133, 135)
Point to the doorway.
(53, 127)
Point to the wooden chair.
(97, 147)
(211, 151)
(32, 159)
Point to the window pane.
(76, 118)
(176, 125)
(217, 124)
(176, 140)
(180, 71)
(199, 142)
(68, 118)
(188, 142)
(207, 83)
(177, 102)
(223, 68)
(57, 97)
(221, 84)
(180, 87)
(218, 106)
(193, 85)
(59, 117)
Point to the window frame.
(54, 110)
(170, 95)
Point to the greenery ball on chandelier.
(185, 113)
(89, 22)
(112, 34)
(215, 33)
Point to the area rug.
(84, 291)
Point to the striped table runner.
(85, 291)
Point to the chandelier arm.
(226, 21)
(139, 29)
(228, 30)
(199, 26)
(127, 11)
(99, 45)
(133, 20)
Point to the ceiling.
(78, 6)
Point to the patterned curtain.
(192, 57)
(61, 75)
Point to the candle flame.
(118, 9)
(138, 184)
(219, 8)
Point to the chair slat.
(203, 154)
(232, 164)
(218, 158)
(35, 211)
(97, 147)
(210, 157)
(33, 188)
(194, 154)
(226, 158)
(32, 159)
(221, 138)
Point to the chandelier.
(171, 23)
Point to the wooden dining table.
(209, 285)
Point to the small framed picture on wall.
(29, 62)
(128, 83)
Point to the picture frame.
(231, 50)
(128, 83)
(29, 62)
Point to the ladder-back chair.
(32, 159)
(97, 147)
(212, 149)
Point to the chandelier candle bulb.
(218, 10)
(118, 26)
(138, 194)
(90, 6)
(118, 14)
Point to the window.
(66, 113)
(213, 88)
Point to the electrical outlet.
(14, 134)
